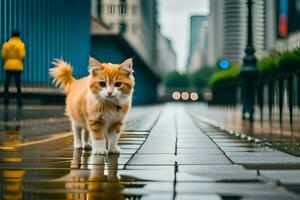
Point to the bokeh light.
(194, 96)
(185, 96)
(224, 64)
(207, 96)
(176, 95)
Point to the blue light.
(224, 64)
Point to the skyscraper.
(228, 29)
(196, 22)
(215, 31)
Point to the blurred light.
(176, 95)
(207, 96)
(194, 96)
(12, 159)
(283, 18)
(185, 96)
(224, 64)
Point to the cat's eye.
(102, 84)
(118, 84)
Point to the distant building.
(202, 47)
(215, 31)
(167, 56)
(194, 57)
(228, 29)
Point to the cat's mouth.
(110, 97)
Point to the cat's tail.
(61, 74)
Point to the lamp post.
(249, 71)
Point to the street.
(169, 151)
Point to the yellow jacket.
(13, 54)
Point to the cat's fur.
(96, 104)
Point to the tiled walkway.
(169, 152)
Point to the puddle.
(88, 177)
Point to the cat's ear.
(126, 66)
(95, 66)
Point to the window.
(123, 8)
(99, 8)
(134, 10)
(123, 27)
(298, 6)
(134, 28)
(111, 9)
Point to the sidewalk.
(168, 152)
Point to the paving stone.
(284, 176)
(150, 167)
(157, 150)
(222, 176)
(210, 168)
(202, 159)
(227, 144)
(196, 144)
(152, 159)
(253, 148)
(149, 175)
(229, 140)
(257, 153)
(264, 160)
(151, 187)
(237, 189)
(199, 151)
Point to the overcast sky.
(174, 20)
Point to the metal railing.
(278, 90)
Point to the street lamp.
(249, 71)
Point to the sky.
(174, 20)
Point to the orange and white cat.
(96, 104)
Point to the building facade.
(167, 56)
(50, 29)
(215, 28)
(123, 29)
(135, 20)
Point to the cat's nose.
(109, 93)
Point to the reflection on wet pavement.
(37, 162)
(166, 154)
(56, 175)
(284, 136)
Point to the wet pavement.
(283, 135)
(168, 152)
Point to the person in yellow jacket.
(13, 54)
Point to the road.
(170, 151)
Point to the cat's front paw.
(99, 151)
(114, 149)
(87, 146)
(99, 147)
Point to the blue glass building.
(50, 29)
